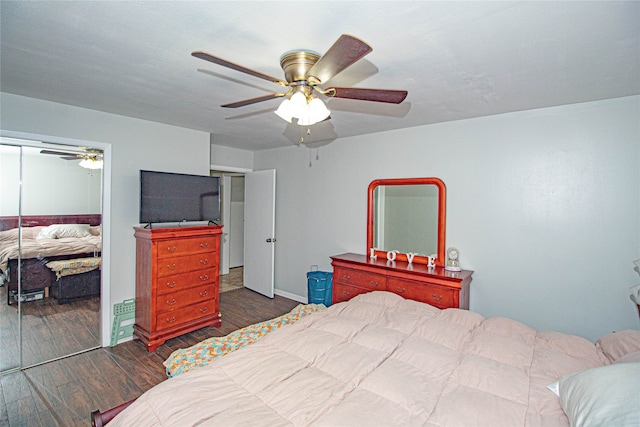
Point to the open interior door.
(259, 231)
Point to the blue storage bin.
(319, 285)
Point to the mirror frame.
(442, 208)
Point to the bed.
(379, 359)
(45, 239)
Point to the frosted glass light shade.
(317, 111)
(298, 101)
(91, 163)
(284, 111)
(308, 112)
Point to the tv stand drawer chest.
(177, 282)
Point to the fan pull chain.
(311, 156)
(302, 136)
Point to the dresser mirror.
(407, 216)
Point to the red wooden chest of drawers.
(177, 287)
(355, 274)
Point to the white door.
(259, 230)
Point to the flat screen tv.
(173, 197)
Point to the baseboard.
(290, 296)
(120, 341)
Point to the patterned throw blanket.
(74, 266)
(183, 360)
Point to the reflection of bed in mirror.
(45, 239)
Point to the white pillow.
(60, 231)
(603, 396)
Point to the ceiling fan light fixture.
(91, 163)
(306, 71)
(308, 109)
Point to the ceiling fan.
(90, 159)
(305, 71)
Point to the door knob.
(271, 240)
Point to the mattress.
(379, 359)
(32, 247)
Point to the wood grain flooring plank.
(4, 416)
(150, 362)
(14, 387)
(54, 403)
(121, 387)
(76, 400)
(22, 412)
(141, 376)
(86, 335)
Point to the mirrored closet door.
(9, 206)
(50, 252)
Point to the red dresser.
(177, 286)
(355, 274)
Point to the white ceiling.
(457, 59)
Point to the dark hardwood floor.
(49, 329)
(64, 392)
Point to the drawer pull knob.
(171, 320)
(204, 245)
(204, 310)
(346, 293)
(205, 277)
(171, 284)
(173, 301)
(171, 266)
(204, 261)
(204, 294)
(374, 284)
(437, 298)
(400, 290)
(172, 249)
(346, 277)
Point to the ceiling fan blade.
(344, 52)
(55, 153)
(62, 155)
(253, 100)
(391, 96)
(234, 66)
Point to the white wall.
(43, 178)
(227, 158)
(544, 206)
(136, 144)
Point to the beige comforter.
(43, 248)
(378, 360)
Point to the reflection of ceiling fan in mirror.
(90, 159)
(305, 71)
